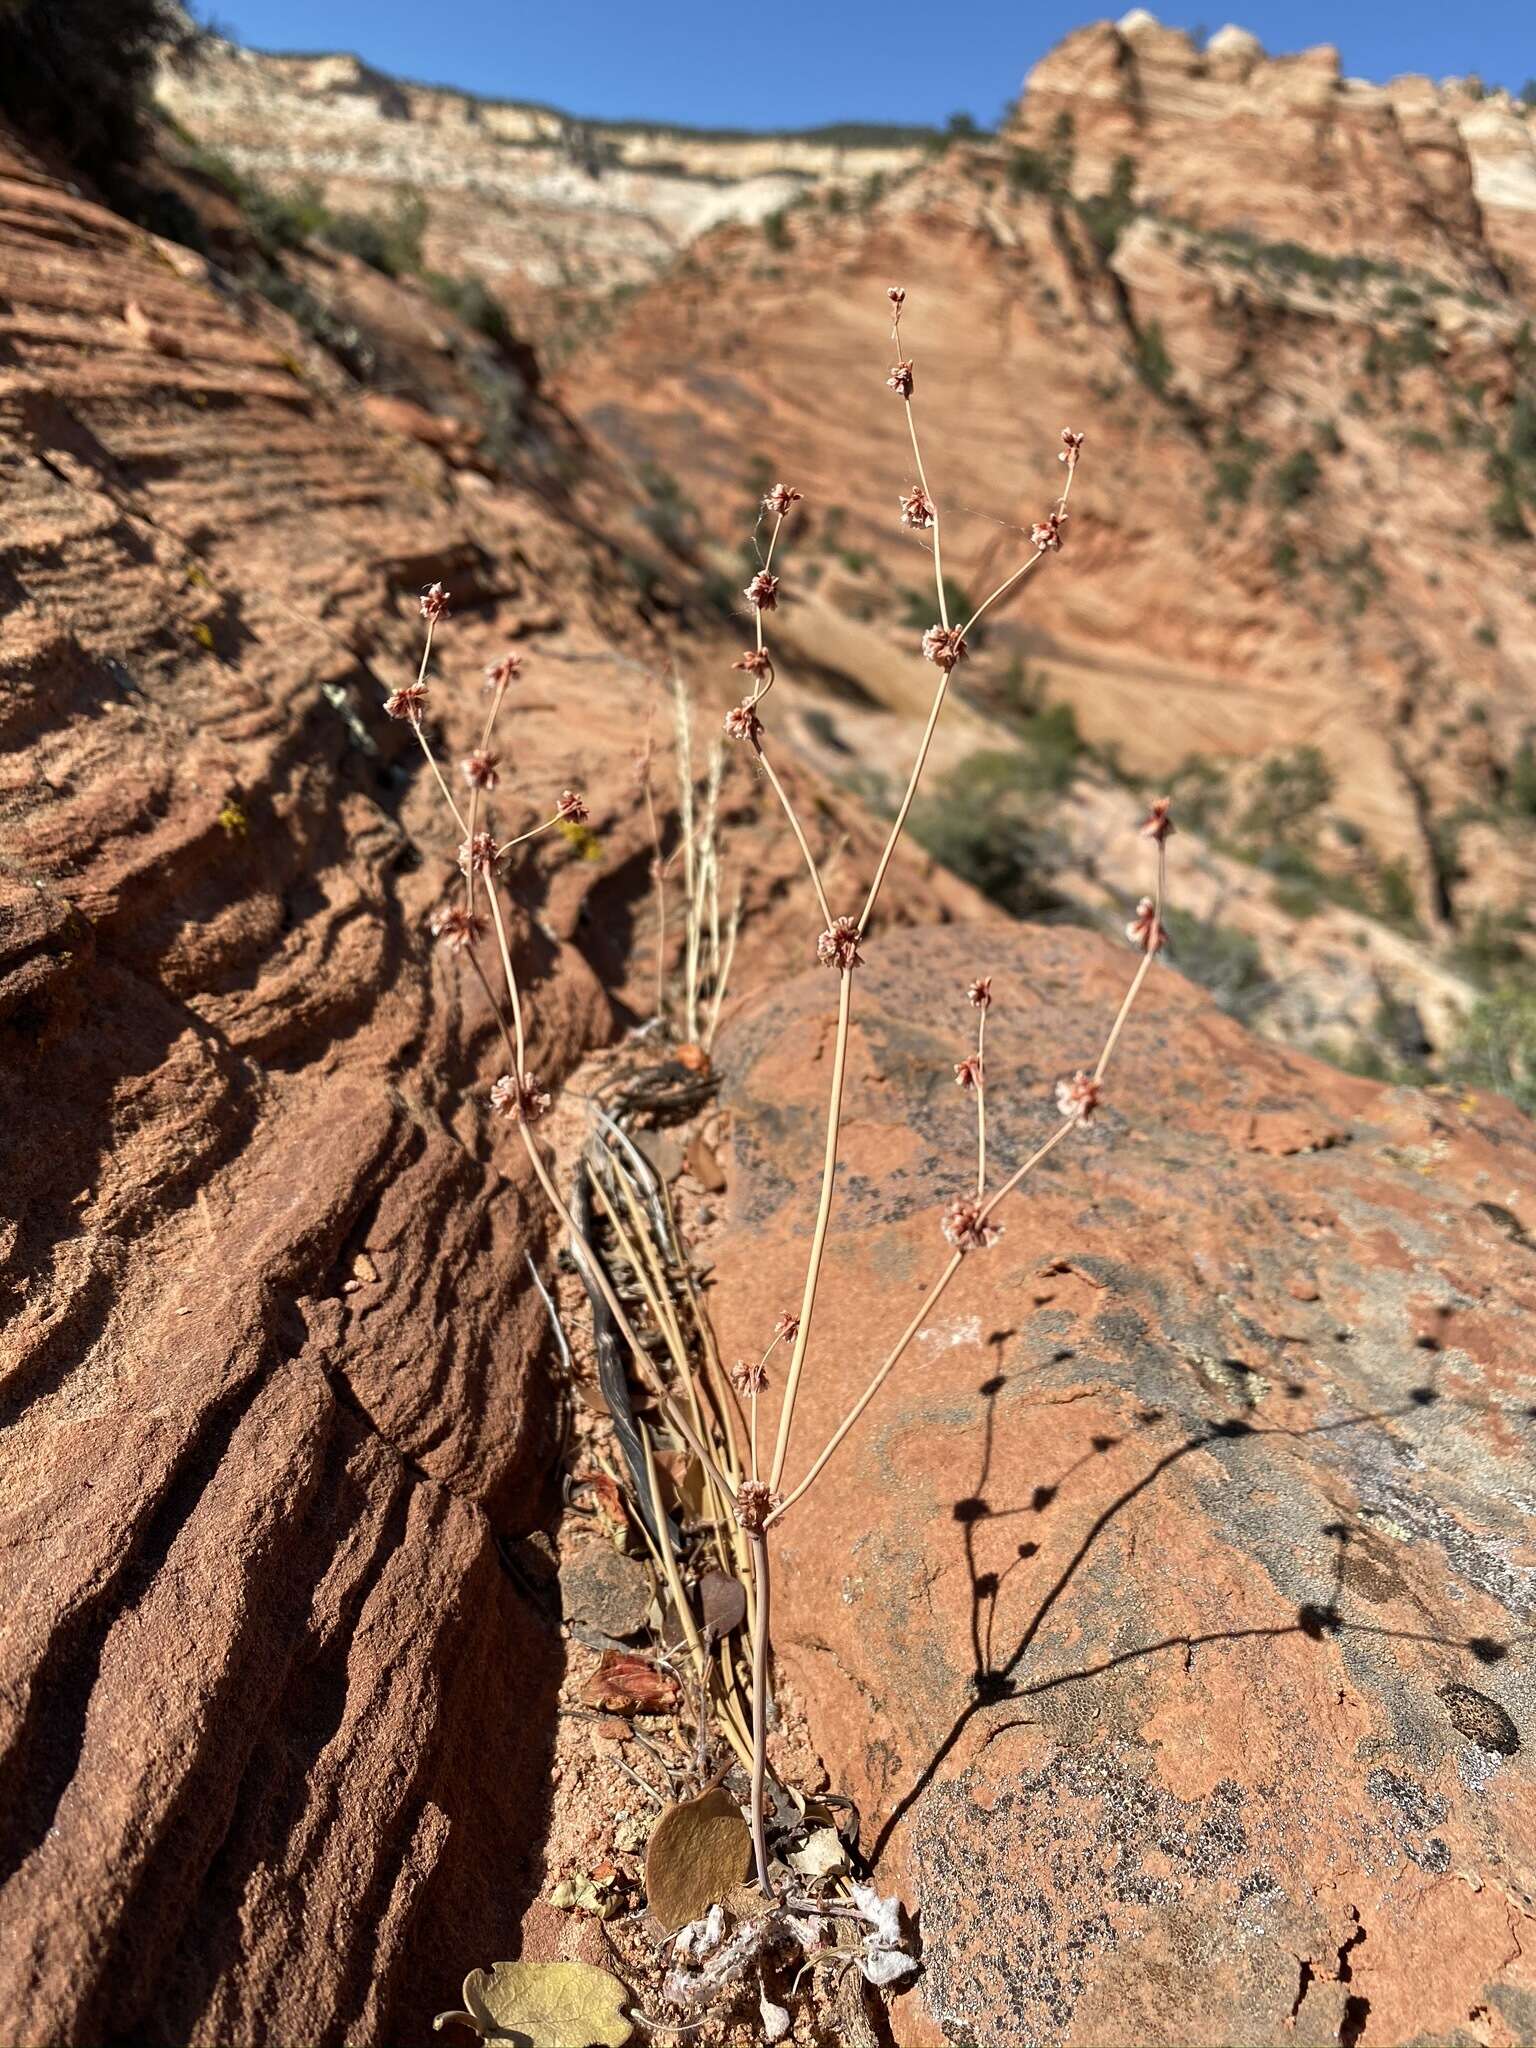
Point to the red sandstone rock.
(1172, 1632)
(276, 1712)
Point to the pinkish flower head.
(434, 602)
(900, 379)
(505, 671)
(762, 593)
(521, 1101)
(747, 1378)
(1045, 534)
(479, 855)
(571, 808)
(1071, 447)
(780, 498)
(979, 994)
(1157, 824)
(1078, 1098)
(787, 1328)
(457, 928)
(743, 723)
(838, 945)
(897, 294)
(966, 1228)
(1145, 929)
(754, 1503)
(407, 703)
(481, 770)
(945, 647)
(756, 663)
(968, 1072)
(917, 507)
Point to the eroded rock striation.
(276, 1694)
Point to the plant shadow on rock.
(997, 1675)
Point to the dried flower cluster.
(743, 723)
(917, 508)
(749, 1379)
(945, 647)
(1078, 1098)
(754, 1503)
(456, 927)
(1159, 826)
(838, 945)
(519, 1101)
(966, 1228)
(407, 703)
(1145, 929)
(479, 855)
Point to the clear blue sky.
(793, 63)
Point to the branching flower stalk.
(967, 1224)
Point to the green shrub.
(390, 243)
(776, 229)
(1520, 791)
(1154, 365)
(985, 824)
(1201, 795)
(472, 299)
(1106, 215)
(1506, 514)
(1031, 170)
(1295, 478)
(1395, 891)
(668, 512)
(919, 607)
(1497, 1046)
(1290, 791)
(1225, 961)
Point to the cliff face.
(1292, 314)
(1287, 149)
(532, 199)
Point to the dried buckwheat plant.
(749, 1487)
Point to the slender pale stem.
(426, 748)
(1024, 568)
(938, 558)
(760, 1706)
(887, 852)
(800, 838)
(659, 872)
(1143, 969)
(823, 1216)
(929, 1302)
(981, 1103)
(934, 1293)
(547, 825)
